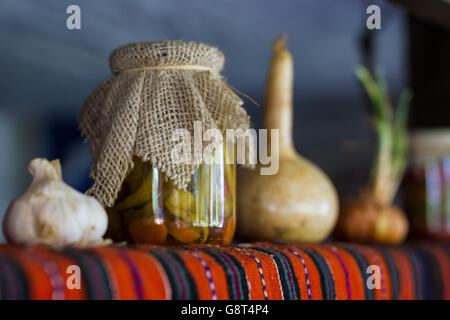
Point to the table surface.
(244, 271)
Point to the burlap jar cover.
(157, 87)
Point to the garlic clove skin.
(51, 212)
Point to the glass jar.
(426, 186)
(151, 210)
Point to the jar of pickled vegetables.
(159, 89)
(151, 210)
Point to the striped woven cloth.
(247, 271)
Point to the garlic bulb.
(51, 212)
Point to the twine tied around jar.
(157, 87)
(189, 67)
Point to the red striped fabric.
(246, 271)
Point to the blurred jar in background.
(427, 184)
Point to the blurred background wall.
(47, 71)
